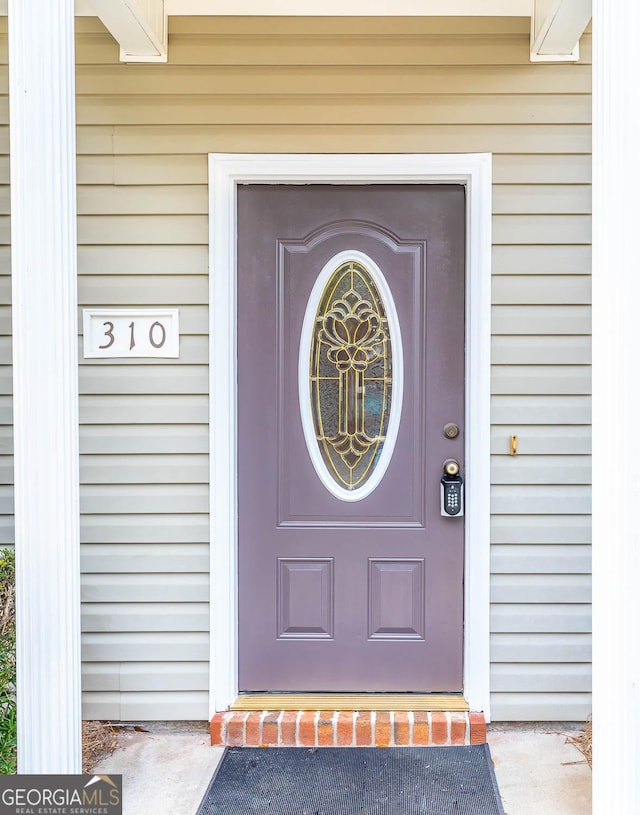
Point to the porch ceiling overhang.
(140, 26)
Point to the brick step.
(346, 728)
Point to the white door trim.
(226, 171)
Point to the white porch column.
(43, 234)
(616, 420)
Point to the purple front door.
(350, 364)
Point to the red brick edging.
(346, 728)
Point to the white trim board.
(226, 171)
(44, 312)
(360, 8)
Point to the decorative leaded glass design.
(350, 374)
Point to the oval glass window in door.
(350, 375)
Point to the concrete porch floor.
(166, 770)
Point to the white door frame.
(226, 172)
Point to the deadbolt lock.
(451, 430)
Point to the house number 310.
(131, 333)
(157, 327)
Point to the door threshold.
(350, 701)
(348, 728)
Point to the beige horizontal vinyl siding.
(321, 85)
(541, 499)
(143, 235)
(144, 471)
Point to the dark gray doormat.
(350, 780)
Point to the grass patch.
(8, 723)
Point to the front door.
(350, 365)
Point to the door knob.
(451, 490)
(451, 467)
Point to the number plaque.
(131, 333)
